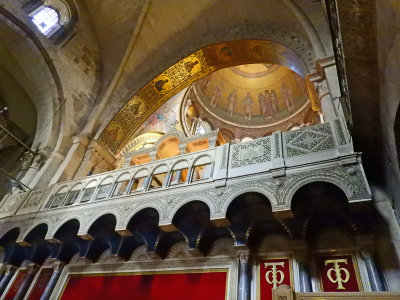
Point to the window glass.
(179, 176)
(120, 188)
(72, 196)
(87, 194)
(46, 20)
(104, 191)
(157, 180)
(201, 172)
(58, 199)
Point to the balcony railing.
(272, 157)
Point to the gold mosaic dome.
(253, 95)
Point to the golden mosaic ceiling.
(187, 71)
(253, 95)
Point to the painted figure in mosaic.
(217, 94)
(274, 101)
(248, 106)
(261, 103)
(267, 104)
(206, 81)
(232, 101)
(287, 96)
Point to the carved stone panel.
(309, 140)
(251, 153)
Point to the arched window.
(53, 18)
(46, 20)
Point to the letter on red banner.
(338, 274)
(273, 273)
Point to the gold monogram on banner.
(274, 276)
(273, 272)
(337, 274)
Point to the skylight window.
(46, 20)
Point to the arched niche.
(168, 147)
(319, 197)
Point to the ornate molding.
(251, 153)
(309, 140)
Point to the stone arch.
(182, 161)
(91, 182)
(47, 75)
(140, 171)
(14, 231)
(266, 192)
(51, 234)
(31, 229)
(168, 217)
(205, 157)
(288, 196)
(85, 227)
(156, 168)
(218, 56)
(138, 209)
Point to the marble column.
(244, 278)
(374, 276)
(9, 272)
(97, 159)
(304, 278)
(31, 271)
(301, 256)
(36, 163)
(327, 106)
(58, 267)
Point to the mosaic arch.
(185, 72)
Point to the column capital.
(32, 267)
(243, 253)
(57, 265)
(10, 269)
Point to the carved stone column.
(58, 267)
(10, 270)
(31, 271)
(97, 159)
(36, 163)
(301, 256)
(374, 276)
(244, 278)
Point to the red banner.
(273, 273)
(16, 284)
(176, 286)
(338, 273)
(40, 284)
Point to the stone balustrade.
(275, 166)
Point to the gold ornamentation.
(185, 72)
(338, 272)
(274, 276)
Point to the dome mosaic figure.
(232, 101)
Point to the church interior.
(202, 150)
